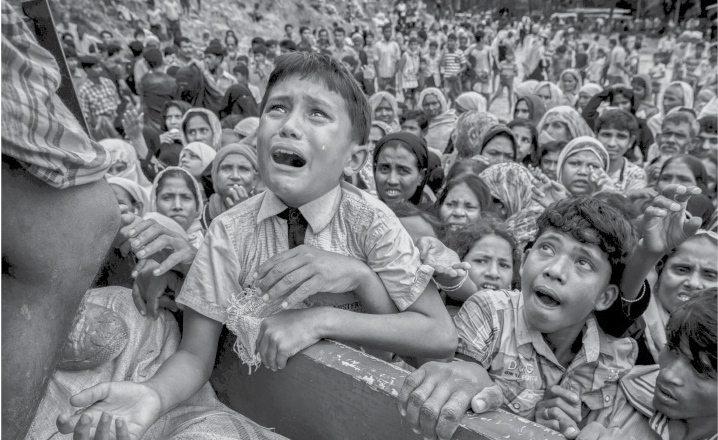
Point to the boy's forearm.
(372, 292)
(189, 368)
(636, 271)
(425, 329)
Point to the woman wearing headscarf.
(201, 125)
(396, 152)
(469, 101)
(525, 88)
(130, 194)
(534, 66)
(384, 108)
(125, 162)
(677, 94)
(529, 107)
(585, 93)
(238, 100)
(643, 95)
(235, 176)
(164, 196)
(578, 161)
(441, 118)
(562, 123)
(193, 88)
(171, 140)
(570, 83)
(197, 158)
(499, 146)
(510, 185)
(551, 95)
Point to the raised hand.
(549, 192)
(666, 223)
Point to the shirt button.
(517, 406)
(607, 398)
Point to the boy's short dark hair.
(181, 40)
(433, 43)
(288, 45)
(288, 25)
(451, 36)
(708, 124)
(422, 35)
(261, 48)
(693, 326)
(272, 43)
(169, 50)
(618, 120)
(340, 30)
(620, 202)
(336, 77)
(594, 222)
(241, 68)
(417, 115)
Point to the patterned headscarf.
(471, 101)
(471, 128)
(511, 183)
(577, 126)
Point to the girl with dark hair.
(527, 139)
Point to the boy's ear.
(357, 160)
(607, 297)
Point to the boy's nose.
(291, 125)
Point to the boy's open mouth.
(547, 297)
(288, 158)
(489, 286)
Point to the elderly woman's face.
(236, 171)
(397, 174)
(431, 106)
(461, 206)
(675, 172)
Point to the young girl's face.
(523, 136)
(492, 264)
(522, 110)
(638, 90)
(583, 99)
(124, 198)
(173, 118)
(192, 163)
(690, 269)
(176, 201)
(461, 206)
(549, 164)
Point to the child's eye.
(506, 266)
(585, 263)
(545, 247)
(318, 113)
(277, 107)
(480, 260)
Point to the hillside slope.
(217, 16)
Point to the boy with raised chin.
(308, 233)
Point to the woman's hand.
(133, 123)
(549, 193)
(237, 195)
(137, 405)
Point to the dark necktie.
(297, 225)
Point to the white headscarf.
(134, 190)
(122, 151)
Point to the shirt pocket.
(518, 399)
(599, 399)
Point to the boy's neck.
(693, 429)
(615, 166)
(565, 343)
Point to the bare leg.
(53, 243)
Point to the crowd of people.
(360, 185)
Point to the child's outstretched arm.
(665, 226)
(141, 404)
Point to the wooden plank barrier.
(333, 392)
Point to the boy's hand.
(149, 292)
(560, 411)
(103, 429)
(286, 333)
(665, 223)
(137, 405)
(596, 431)
(303, 271)
(435, 397)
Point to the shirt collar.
(318, 213)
